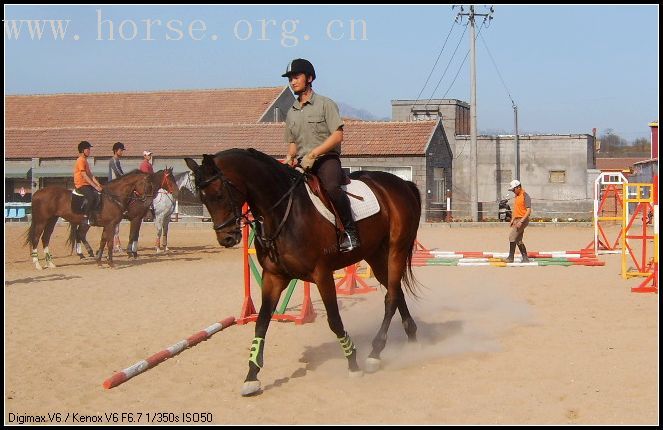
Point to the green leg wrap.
(49, 257)
(34, 255)
(346, 345)
(256, 351)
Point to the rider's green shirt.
(310, 124)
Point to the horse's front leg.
(327, 290)
(134, 229)
(272, 287)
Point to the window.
(557, 176)
(402, 172)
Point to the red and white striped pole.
(167, 353)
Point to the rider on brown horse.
(314, 129)
(85, 182)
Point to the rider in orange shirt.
(84, 181)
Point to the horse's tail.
(411, 284)
(72, 238)
(30, 234)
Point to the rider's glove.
(308, 160)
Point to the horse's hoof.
(158, 251)
(38, 266)
(356, 373)
(372, 365)
(51, 265)
(251, 388)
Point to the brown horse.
(135, 211)
(161, 180)
(294, 240)
(50, 203)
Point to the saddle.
(316, 188)
(363, 202)
(79, 204)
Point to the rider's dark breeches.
(328, 169)
(90, 196)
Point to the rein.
(267, 241)
(119, 200)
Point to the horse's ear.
(208, 161)
(191, 164)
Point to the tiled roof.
(188, 107)
(617, 163)
(361, 138)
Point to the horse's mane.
(272, 163)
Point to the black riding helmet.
(299, 65)
(83, 145)
(118, 145)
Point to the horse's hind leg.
(46, 238)
(82, 237)
(158, 222)
(389, 273)
(327, 291)
(106, 239)
(166, 222)
(35, 234)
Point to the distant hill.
(348, 111)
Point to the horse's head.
(223, 199)
(143, 187)
(168, 182)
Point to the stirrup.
(351, 242)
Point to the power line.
(496, 68)
(436, 61)
(461, 65)
(447, 68)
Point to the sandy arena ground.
(528, 345)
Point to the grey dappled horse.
(164, 205)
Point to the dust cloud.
(450, 322)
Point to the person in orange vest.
(85, 182)
(521, 212)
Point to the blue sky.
(568, 68)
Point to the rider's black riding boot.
(512, 251)
(350, 239)
(523, 252)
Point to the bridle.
(237, 216)
(120, 200)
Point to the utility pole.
(516, 144)
(474, 185)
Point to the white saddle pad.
(360, 209)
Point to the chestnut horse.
(295, 242)
(50, 203)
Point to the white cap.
(513, 184)
(147, 152)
